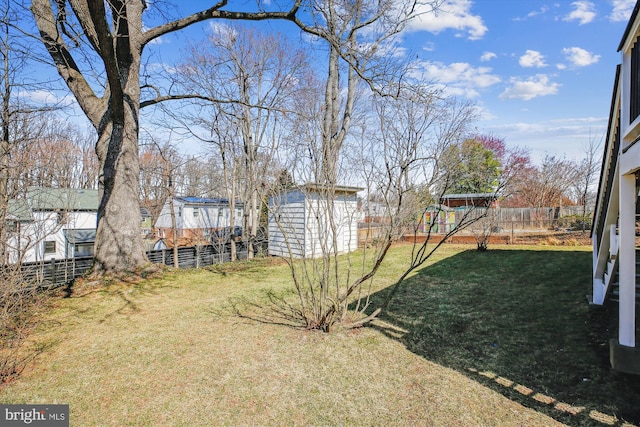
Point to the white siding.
(287, 230)
(207, 217)
(320, 230)
(300, 225)
(47, 228)
(164, 218)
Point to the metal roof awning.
(80, 235)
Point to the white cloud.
(584, 12)
(564, 136)
(43, 98)
(487, 56)
(532, 58)
(532, 14)
(621, 10)
(541, 11)
(452, 14)
(39, 96)
(533, 87)
(429, 47)
(580, 57)
(161, 67)
(459, 78)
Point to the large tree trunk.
(119, 245)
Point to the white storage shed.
(300, 225)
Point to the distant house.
(375, 211)
(52, 223)
(300, 227)
(197, 217)
(147, 221)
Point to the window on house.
(180, 211)
(196, 212)
(83, 249)
(50, 247)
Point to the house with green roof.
(52, 223)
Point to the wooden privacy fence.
(59, 272)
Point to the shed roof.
(337, 188)
(216, 201)
(469, 196)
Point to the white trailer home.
(300, 224)
(52, 223)
(197, 217)
(614, 230)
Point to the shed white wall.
(287, 230)
(300, 225)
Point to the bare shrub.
(19, 309)
(483, 229)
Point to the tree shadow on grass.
(518, 322)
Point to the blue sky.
(541, 72)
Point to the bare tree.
(358, 33)
(152, 186)
(586, 171)
(246, 79)
(399, 161)
(170, 162)
(14, 113)
(112, 34)
(547, 185)
(224, 138)
(22, 122)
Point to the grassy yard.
(497, 338)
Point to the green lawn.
(498, 338)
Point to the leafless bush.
(483, 229)
(19, 307)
